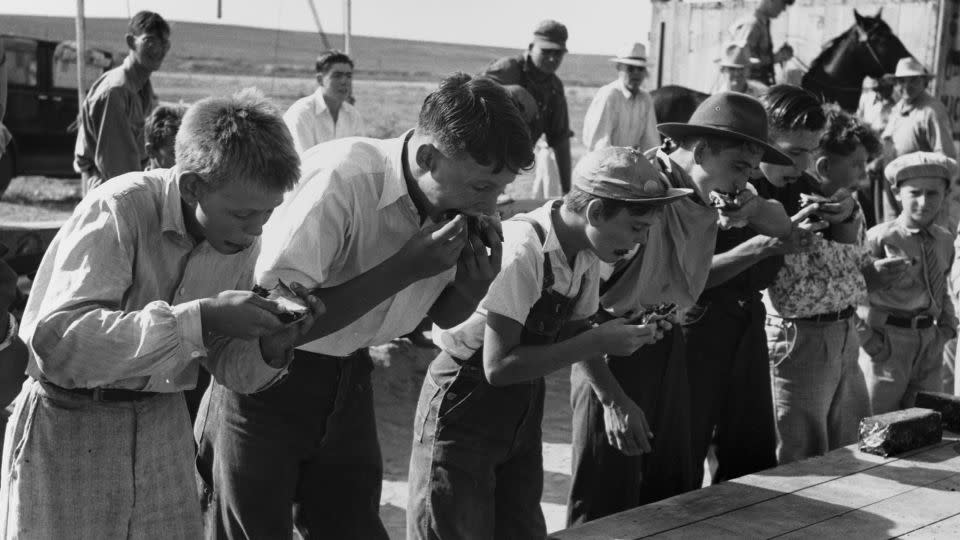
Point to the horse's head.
(877, 46)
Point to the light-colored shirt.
(115, 302)
(110, 139)
(311, 123)
(519, 284)
(910, 294)
(350, 212)
(618, 118)
(673, 265)
(922, 125)
(874, 110)
(825, 279)
(754, 32)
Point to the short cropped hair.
(242, 136)
(845, 132)
(791, 107)
(576, 200)
(148, 22)
(326, 60)
(475, 116)
(161, 126)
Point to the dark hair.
(577, 200)
(845, 132)
(326, 60)
(475, 115)
(148, 22)
(791, 107)
(161, 126)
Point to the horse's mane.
(829, 49)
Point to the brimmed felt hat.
(730, 115)
(551, 35)
(910, 67)
(920, 165)
(624, 174)
(635, 55)
(734, 55)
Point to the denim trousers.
(476, 467)
(731, 405)
(899, 362)
(819, 392)
(302, 453)
(78, 468)
(606, 481)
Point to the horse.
(868, 48)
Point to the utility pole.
(346, 26)
(81, 29)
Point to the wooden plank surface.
(843, 489)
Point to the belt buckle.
(915, 322)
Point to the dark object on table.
(287, 299)
(947, 405)
(900, 431)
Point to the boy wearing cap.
(326, 114)
(621, 113)
(535, 70)
(718, 149)
(910, 314)
(476, 466)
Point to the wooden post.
(346, 26)
(81, 49)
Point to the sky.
(595, 26)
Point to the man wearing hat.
(754, 32)
(535, 70)
(326, 114)
(476, 468)
(918, 122)
(717, 150)
(733, 71)
(621, 114)
(910, 313)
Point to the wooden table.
(845, 494)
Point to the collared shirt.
(825, 279)
(519, 284)
(618, 118)
(874, 110)
(116, 299)
(910, 295)
(311, 123)
(350, 212)
(547, 90)
(922, 125)
(110, 138)
(754, 31)
(674, 264)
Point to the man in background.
(733, 71)
(621, 114)
(754, 32)
(110, 138)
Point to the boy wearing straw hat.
(733, 71)
(621, 114)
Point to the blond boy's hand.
(240, 314)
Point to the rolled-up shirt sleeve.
(82, 337)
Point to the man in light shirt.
(327, 113)
(621, 114)
(368, 230)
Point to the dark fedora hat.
(731, 115)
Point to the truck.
(686, 37)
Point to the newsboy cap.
(920, 165)
(624, 174)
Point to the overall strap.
(548, 278)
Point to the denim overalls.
(476, 469)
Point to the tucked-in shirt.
(115, 302)
(110, 139)
(754, 31)
(519, 284)
(825, 279)
(350, 212)
(311, 123)
(618, 118)
(920, 126)
(552, 117)
(910, 294)
(673, 265)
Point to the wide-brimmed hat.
(624, 174)
(551, 35)
(734, 55)
(910, 67)
(634, 55)
(731, 115)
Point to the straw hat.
(734, 55)
(910, 67)
(635, 55)
(624, 174)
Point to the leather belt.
(918, 322)
(832, 316)
(107, 395)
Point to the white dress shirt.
(310, 122)
(618, 118)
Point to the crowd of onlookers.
(730, 293)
